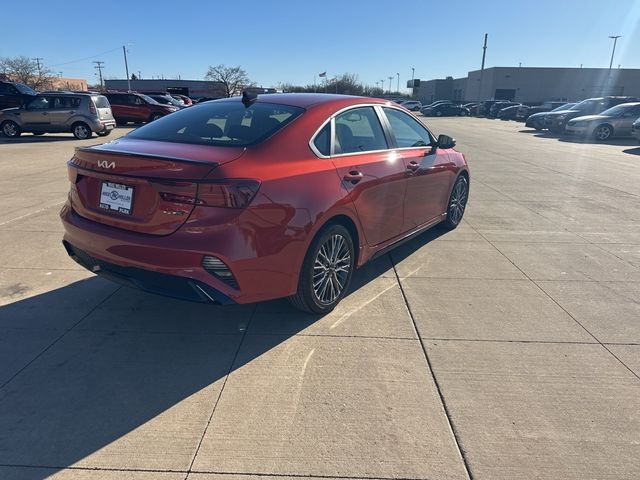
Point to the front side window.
(222, 123)
(359, 130)
(40, 103)
(408, 131)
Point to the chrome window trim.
(386, 127)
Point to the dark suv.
(137, 108)
(557, 121)
(15, 94)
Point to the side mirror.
(445, 141)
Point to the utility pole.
(139, 75)
(37, 59)
(126, 67)
(98, 67)
(484, 55)
(382, 85)
(398, 84)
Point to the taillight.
(226, 193)
(229, 193)
(92, 107)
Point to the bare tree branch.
(233, 79)
(26, 70)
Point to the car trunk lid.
(142, 185)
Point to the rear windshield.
(221, 123)
(101, 102)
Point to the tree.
(26, 70)
(134, 76)
(233, 79)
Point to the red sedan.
(249, 199)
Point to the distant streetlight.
(613, 52)
(398, 84)
(390, 78)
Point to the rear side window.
(322, 142)
(63, 103)
(117, 99)
(408, 131)
(101, 101)
(359, 130)
(222, 123)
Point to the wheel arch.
(347, 222)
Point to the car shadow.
(109, 374)
(28, 138)
(632, 151)
(623, 142)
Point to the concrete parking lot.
(506, 349)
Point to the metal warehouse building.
(532, 84)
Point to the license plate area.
(116, 197)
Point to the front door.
(372, 174)
(429, 170)
(35, 117)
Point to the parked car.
(166, 99)
(508, 113)
(472, 107)
(496, 107)
(185, 100)
(536, 120)
(635, 130)
(78, 113)
(268, 215)
(557, 121)
(614, 122)
(446, 110)
(526, 110)
(412, 105)
(485, 106)
(14, 94)
(137, 108)
(428, 108)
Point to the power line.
(85, 58)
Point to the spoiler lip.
(146, 155)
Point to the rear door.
(429, 170)
(62, 108)
(370, 172)
(622, 124)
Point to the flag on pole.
(323, 74)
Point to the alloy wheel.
(331, 269)
(81, 132)
(458, 201)
(603, 132)
(10, 129)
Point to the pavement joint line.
(60, 337)
(209, 472)
(452, 427)
(224, 384)
(564, 309)
(35, 212)
(489, 340)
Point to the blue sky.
(291, 41)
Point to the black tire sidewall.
(306, 275)
(448, 223)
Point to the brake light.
(228, 194)
(92, 107)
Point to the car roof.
(306, 100)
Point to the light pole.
(613, 52)
(398, 84)
(382, 85)
(390, 78)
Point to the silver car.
(614, 122)
(79, 113)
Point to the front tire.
(457, 202)
(10, 129)
(602, 133)
(326, 271)
(81, 131)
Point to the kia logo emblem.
(105, 164)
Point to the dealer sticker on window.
(116, 197)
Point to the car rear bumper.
(159, 263)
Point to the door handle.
(413, 166)
(353, 176)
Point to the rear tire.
(10, 129)
(326, 271)
(457, 202)
(156, 116)
(81, 131)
